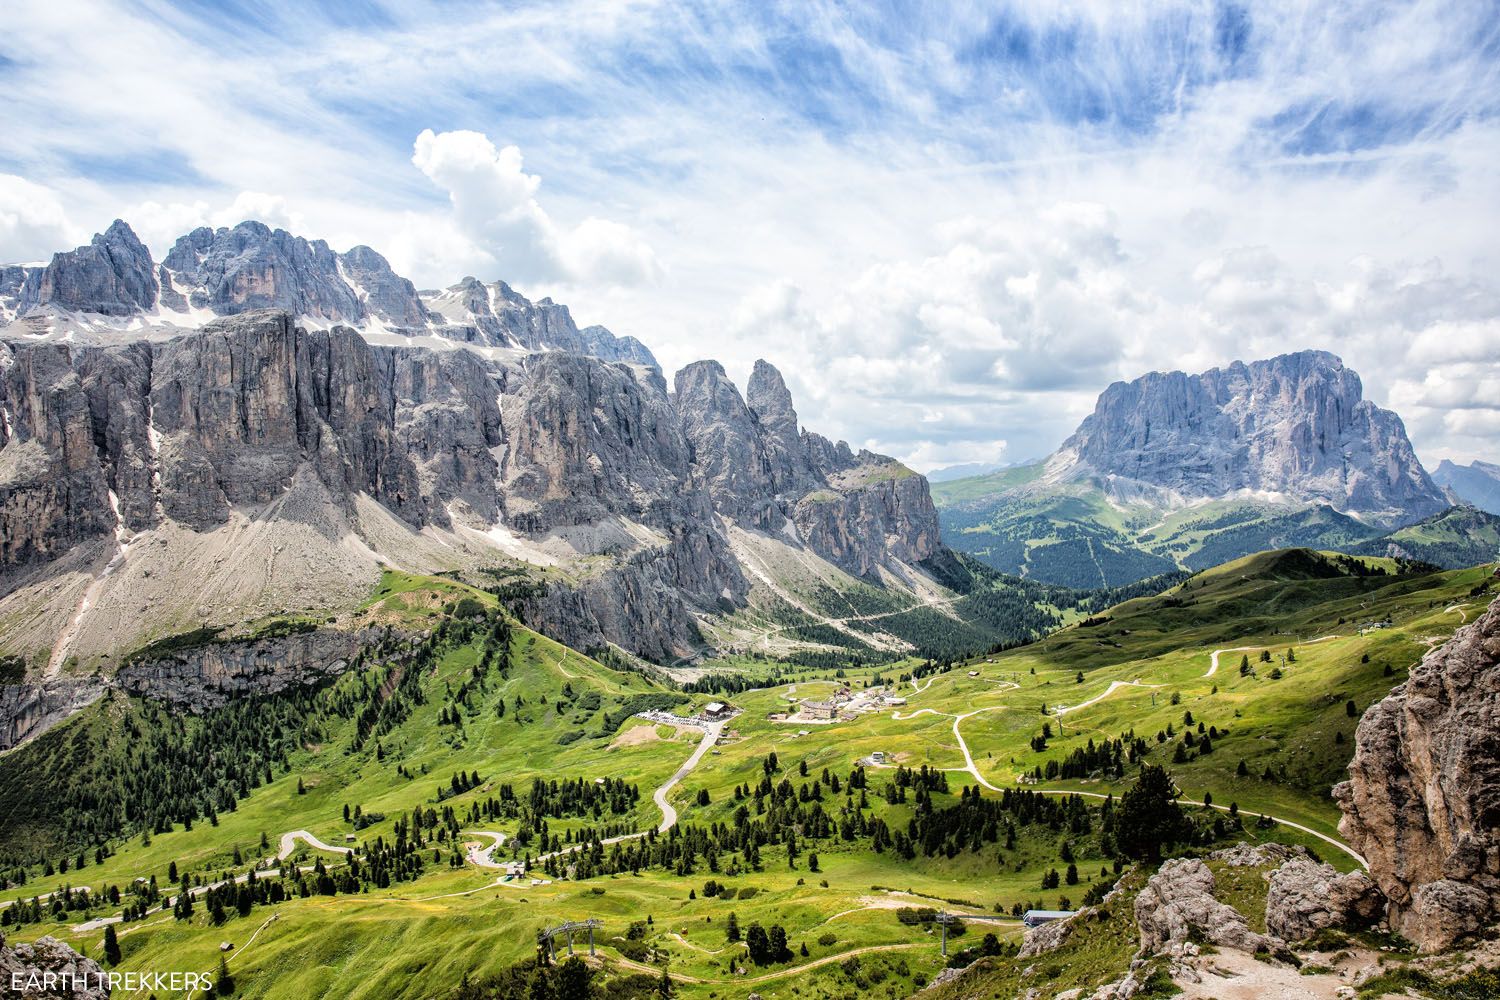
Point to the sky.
(950, 226)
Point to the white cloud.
(33, 222)
(159, 225)
(494, 204)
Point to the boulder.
(1305, 897)
(72, 976)
(1177, 907)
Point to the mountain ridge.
(112, 288)
(1184, 471)
(1295, 425)
(282, 468)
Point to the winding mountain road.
(289, 844)
(712, 732)
(1214, 658)
(1113, 687)
(974, 770)
(679, 977)
(480, 855)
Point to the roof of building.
(715, 706)
(1047, 914)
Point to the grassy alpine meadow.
(834, 840)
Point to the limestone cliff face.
(872, 512)
(240, 407)
(53, 492)
(212, 674)
(1296, 426)
(859, 511)
(256, 418)
(1423, 800)
(29, 709)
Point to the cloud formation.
(495, 205)
(949, 226)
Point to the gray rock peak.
(113, 276)
(1295, 425)
(770, 399)
(724, 438)
(250, 266)
(1477, 483)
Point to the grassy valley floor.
(1352, 626)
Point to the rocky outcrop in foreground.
(1306, 896)
(1178, 907)
(1422, 802)
(49, 957)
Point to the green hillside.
(1076, 536)
(990, 798)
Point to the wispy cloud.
(949, 224)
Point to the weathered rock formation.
(212, 674)
(1295, 427)
(115, 448)
(239, 269)
(1422, 803)
(113, 276)
(1177, 907)
(1305, 896)
(29, 709)
(49, 968)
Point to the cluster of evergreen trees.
(156, 768)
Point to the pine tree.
(111, 945)
(1149, 817)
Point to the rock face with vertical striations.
(53, 490)
(113, 276)
(357, 451)
(1295, 426)
(1422, 802)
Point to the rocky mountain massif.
(1296, 426)
(258, 467)
(112, 288)
(1187, 471)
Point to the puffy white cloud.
(159, 224)
(33, 222)
(495, 206)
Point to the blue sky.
(950, 225)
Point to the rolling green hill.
(993, 782)
(1076, 536)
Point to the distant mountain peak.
(1477, 483)
(1295, 427)
(111, 289)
